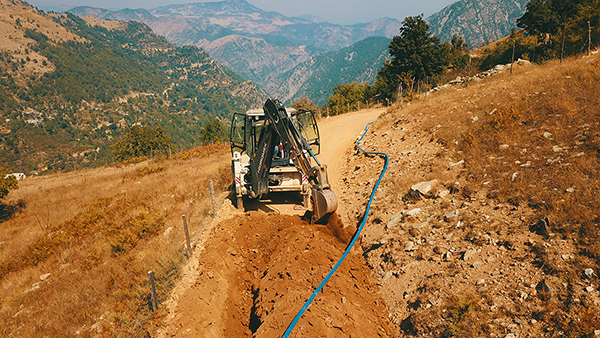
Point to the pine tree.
(415, 54)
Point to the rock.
(523, 296)
(476, 264)
(589, 289)
(47, 275)
(504, 146)
(419, 225)
(409, 246)
(597, 333)
(34, 287)
(589, 273)
(556, 149)
(388, 275)
(510, 335)
(413, 212)
(469, 254)
(444, 193)
(570, 190)
(394, 220)
(526, 165)
(523, 62)
(452, 214)
(547, 135)
(480, 281)
(542, 227)
(423, 187)
(543, 286)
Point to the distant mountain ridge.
(274, 50)
(317, 76)
(190, 24)
(256, 44)
(477, 21)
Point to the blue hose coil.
(354, 239)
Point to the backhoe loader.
(258, 135)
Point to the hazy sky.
(335, 11)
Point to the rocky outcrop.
(477, 21)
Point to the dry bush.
(98, 234)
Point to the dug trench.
(253, 271)
(258, 269)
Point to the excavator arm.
(323, 199)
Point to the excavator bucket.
(324, 204)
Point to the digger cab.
(283, 176)
(246, 129)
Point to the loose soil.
(253, 271)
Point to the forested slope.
(65, 99)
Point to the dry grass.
(98, 232)
(531, 139)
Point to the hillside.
(317, 76)
(75, 256)
(257, 45)
(70, 88)
(485, 224)
(477, 21)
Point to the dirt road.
(338, 134)
(253, 271)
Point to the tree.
(7, 183)
(459, 52)
(347, 97)
(213, 132)
(305, 103)
(141, 141)
(539, 18)
(547, 18)
(415, 52)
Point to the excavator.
(259, 167)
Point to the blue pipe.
(354, 239)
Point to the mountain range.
(289, 56)
(258, 45)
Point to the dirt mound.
(258, 270)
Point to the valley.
(485, 223)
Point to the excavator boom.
(323, 199)
(254, 137)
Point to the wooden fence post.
(152, 290)
(212, 197)
(187, 237)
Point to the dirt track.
(253, 271)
